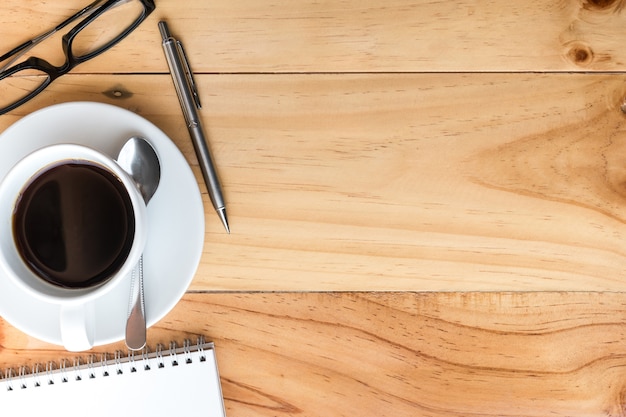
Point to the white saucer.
(176, 217)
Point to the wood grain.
(399, 354)
(427, 199)
(356, 36)
(401, 182)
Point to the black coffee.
(74, 225)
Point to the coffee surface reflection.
(73, 224)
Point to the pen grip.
(206, 165)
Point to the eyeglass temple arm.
(20, 50)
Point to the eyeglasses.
(106, 24)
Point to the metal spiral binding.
(63, 370)
(50, 367)
(22, 375)
(146, 358)
(118, 362)
(131, 361)
(91, 373)
(78, 375)
(200, 348)
(37, 374)
(187, 351)
(104, 365)
(89, 367)
(173, 354)
(8, 377)
(159, 356)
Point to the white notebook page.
(190, 388)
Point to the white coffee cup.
(77, 314)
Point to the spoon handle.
(136, 322)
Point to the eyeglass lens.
(106, 28)
(20, 85)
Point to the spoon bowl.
(140, 160)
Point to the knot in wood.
(599, 4)
(118, 92)
(580, 54)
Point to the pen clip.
(189, 74)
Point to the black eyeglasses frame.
(71, 60)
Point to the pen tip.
(222, 213)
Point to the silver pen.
(190, 103)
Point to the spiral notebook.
(167, 382)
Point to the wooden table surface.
(427, 199)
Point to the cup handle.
(77, 326)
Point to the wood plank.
(392, 146)
(398, 354)
(475, 182)
(356, 36)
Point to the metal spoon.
(140, 160)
